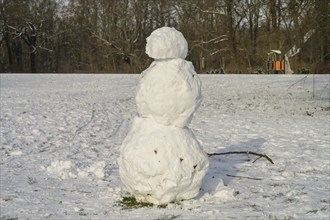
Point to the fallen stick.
(246, 177)
(243, 152)
(301, 80)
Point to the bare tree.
(110, 35)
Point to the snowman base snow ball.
(161, 161)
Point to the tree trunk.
(10, 56)
(230, 21)
(33, 60)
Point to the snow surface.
(166, 43)
(61, 134)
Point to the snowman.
(161, 161)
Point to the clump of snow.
(161, 164)
(169, 92)
(165, 43)
(62, 169)
(97, 169)
(67, 169)
(216, 191)
(16, 153)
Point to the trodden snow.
(61, 137)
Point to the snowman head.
(166, 43)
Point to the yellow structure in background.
(276, 64)
(279, 66)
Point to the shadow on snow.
(224, 168)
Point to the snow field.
(61, 134)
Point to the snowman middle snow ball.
(161, 161)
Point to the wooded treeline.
(110, 35)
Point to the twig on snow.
(83, 126)
(302, 79)
(243, 152)
(246, 177)
(256, 159)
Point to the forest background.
(109, 36)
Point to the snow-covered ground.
(61, 136)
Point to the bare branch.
(211, 12)
(118, 49)
(44, 48)
(214, 40)
(243, 152)
(218, 51)
(13, 28)
(106, 42)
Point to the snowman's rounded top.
(166, 43)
